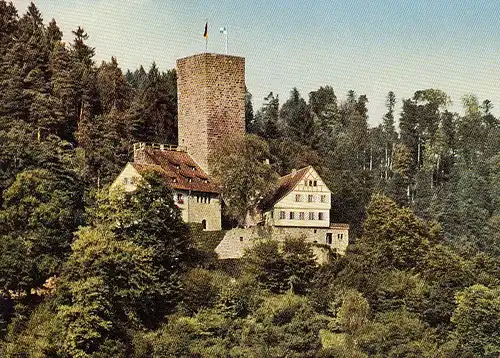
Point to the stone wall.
(209, 211)
(195, 211)
(236, 241)
(211, 103)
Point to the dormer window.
(205, 181)
(192, 168)
(177, 166)
(174, 180)
(190, 180)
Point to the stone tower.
(211, 103)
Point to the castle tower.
(211, 103)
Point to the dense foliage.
(88, 272)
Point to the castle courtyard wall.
(236, 241)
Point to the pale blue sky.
(371, 46)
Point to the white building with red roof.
(302, 199)
(300, 207)
(193, 191)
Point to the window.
(321, 216)
(197, 198)
(340, 236)
(315, 183)
(315, 231)
(125, 181)
(241, 238)
(329, 238)
(282, 215)
(298, 197)
(180, 199)
(204, 224)
(323, 198)
(310, 183)
(301, 216)
(190, 180)
(311, 216)
(310, 198)
(305, 182)
(292, 215)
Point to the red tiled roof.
(285, 185)
(178, 165)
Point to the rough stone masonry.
(211, 103)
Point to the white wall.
(127, 179)
(290, 204)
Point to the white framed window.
(321, 216)
(329, 238)
(180, 198)
(302, 216)
(315, 183)
(292, 215)
(311, 216)
(340, 236)
(282, 215)
(310, 198)
(298, 197)
(323, 198)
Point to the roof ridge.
(297, 170)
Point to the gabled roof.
(285, 185)
(178, 169)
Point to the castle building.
(302, 199)
(299, 207)
(193, 191)
(211, 109)
(211, 103)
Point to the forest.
(85, 272)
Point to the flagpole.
(206, 35)
(226, 39)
